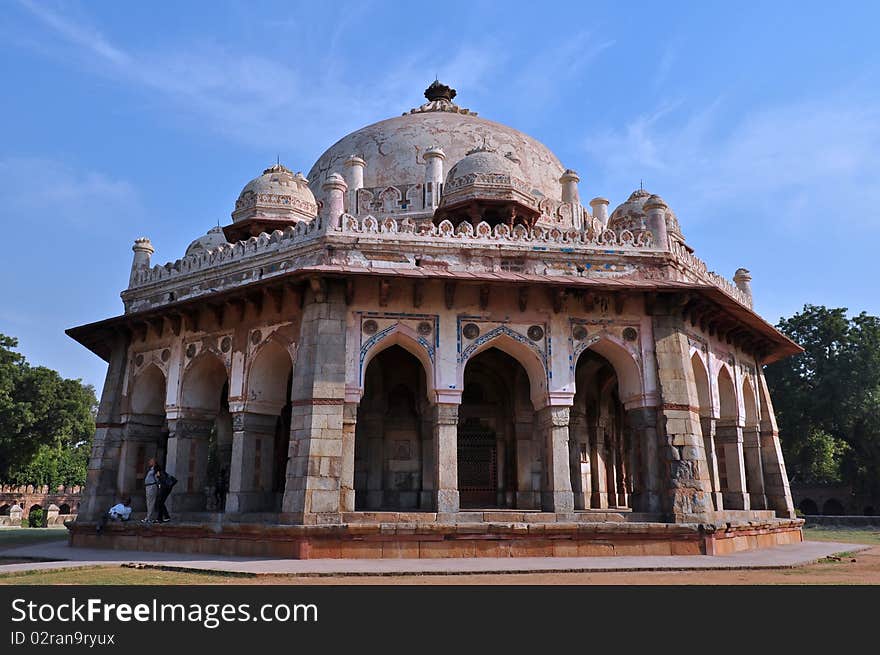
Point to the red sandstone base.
(429, 540)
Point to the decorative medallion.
(166, 355)
(191, 350)
(471, 331)
(256, 337)
(630, 334)
(225, 344)
(579, 332)
(139, 360)
(536, 333)
(425, 328)
(370, 327)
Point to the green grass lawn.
(115, 575)
(870, 536)
(13, 537)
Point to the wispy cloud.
(807, 163)
(58, 196)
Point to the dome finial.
(439, 91)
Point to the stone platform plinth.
(427, 539)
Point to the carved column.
(346, 476)
(100, 490)
(553, 423)
(707, 424)
(426, 496)
(754, 467)
(250, 477)
(729, 438)
(776, 485)
(598, 468)
(579, 449)
(140, 442)
(685, 472)
(312, 490)
(374, 431)
(188, 461)
(446, 457)
(643, 423)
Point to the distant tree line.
(827, 399)
(46, 422)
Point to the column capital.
(247, 421)
(446, 413)
(447, 396)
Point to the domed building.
(430, 346)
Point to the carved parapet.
(698, 267)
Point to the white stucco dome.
(393, 149)
(277, 193)
(631, 215)
(213, 239)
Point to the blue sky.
(759, 123)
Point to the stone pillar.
(707, 424)
(610, 470)
(643, 423)
(598, 469)
(426, 496)
(250, 476)
(346, 476)
(100, 490)
(140, 442)
(754, 468)
(354, 178)
(143, 251)
(374, 429)
(579, 449)
(776, 485)
(569, 182)
(600, 210)
(434, 157)
(729, 438)
(556, 495)
(656, 208)
(187, 461)
(446, 457)
(684, 472)
(335, 188)
(312, 489)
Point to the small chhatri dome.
(278, 193)
(213, 239)
(631, 215)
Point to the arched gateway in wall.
(434, 344)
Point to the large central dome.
(393, 148)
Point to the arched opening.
(392, 435)
(808, 507)
(64, 508)
(701, 379)
(499, 456)
(4, 510)
(729, 450)
(606, 460)
(202, 444)
(146, 433)
(266, 440)
(833, 507)
(36, 516)
(752, 448)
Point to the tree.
(827, 399)
(46, 422)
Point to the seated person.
(119, 512)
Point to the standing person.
(166, 484)
(151, 490)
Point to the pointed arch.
(203, 382)
(750, 404)
(268, 372)
(701, 377)
(404, 336)
(513, 344)
(148, 391)
(727, 404)
(629, 375)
